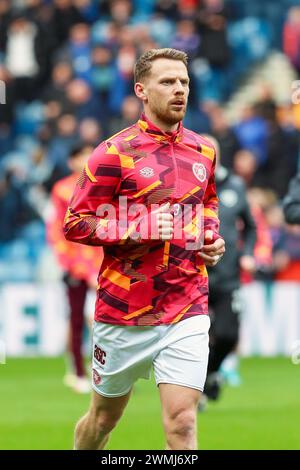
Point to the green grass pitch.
(38, 412)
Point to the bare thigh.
(108, 408)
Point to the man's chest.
(167, 172)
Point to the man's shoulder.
(204, 144)
(111, 145)
(123, 135)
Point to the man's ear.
(140, 92)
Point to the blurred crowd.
(67, 66)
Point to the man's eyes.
(171, 82)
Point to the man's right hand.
(165, 222)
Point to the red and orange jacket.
(82, 262)
(144, 281)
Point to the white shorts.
(123, 354)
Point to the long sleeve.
(82, 262)
(55, 233)
(94, 216)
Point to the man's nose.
(179, 88)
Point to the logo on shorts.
(199, 171)
(99, 355)
(96, 377)
(147, 172)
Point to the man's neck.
(165, 127)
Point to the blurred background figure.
(80, 264)
(239, 231)
(291, 37)
(291, 203)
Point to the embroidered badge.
(199, 171)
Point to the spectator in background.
(120, 11)
(7, 103)
(186, 37)
(88, 9)
(212, 22)
(245, 166)
(259, 200)
(239, 231)
(291, 37)
(229, 144)
(187, 8)
(5, 18)
(282, 146)
(77, 51)
(60, 145)
(130, 112)
(81, 101)
(167, 9)
(15, 211)
(291, 202)
(102, 71)
(101, 77)
(252, 134)
(24, 56)
(274, 148)
(275, 173)
(286, 251)
(266, 106)
(54, 94)
(80, 264)
(55, 90)
(41, 14)
(123, 78)
(90, 132)
(65, 16)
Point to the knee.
(104, 421)
(181, 423)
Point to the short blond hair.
(143, 65)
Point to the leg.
(114, 374)
(224, 329)
(77, 291)
(180, 372)
(223, 337)
(92, 431)
(179, 410)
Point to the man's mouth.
(178, 103)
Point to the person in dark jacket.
(291, 202)
(239, 231)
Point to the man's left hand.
(211, 253)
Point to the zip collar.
(145, 125)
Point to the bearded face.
(166, 91)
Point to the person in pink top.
(151, 307)
(80, 264)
